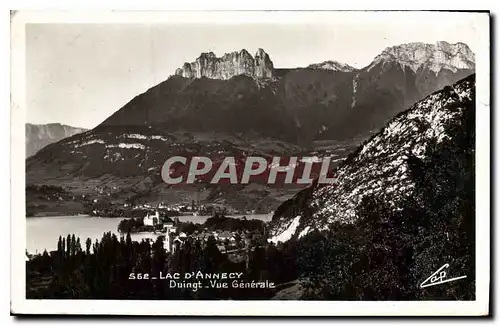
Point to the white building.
(151, 220)
(172, 241)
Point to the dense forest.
(101, 270)
(387, 254)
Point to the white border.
(284, 308)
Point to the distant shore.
(52, 214)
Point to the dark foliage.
(130, 225)
(219, 222)
(386, 255)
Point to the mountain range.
(41, 135)
(241, 93)
(240, 105)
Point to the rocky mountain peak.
(332, 65)
(229, 65)
(435, 57)
(207, 55)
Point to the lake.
(43, 232)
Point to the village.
(230, 234)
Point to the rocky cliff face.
(434, 57)
(39, 136)
(381, 167)
(229, 65)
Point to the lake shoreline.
(42, 232)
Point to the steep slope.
(293, 108)
(39, 136)
(380, 168)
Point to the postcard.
(267, 163)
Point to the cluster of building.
(174, 240)
(195, 208)
(175, 207)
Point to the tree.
(73, 245)
(78, 245)
(68, 245)
(237, 239)
(211, 255)
(88, 244)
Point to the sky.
(80, 73)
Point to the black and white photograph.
(223, 161)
